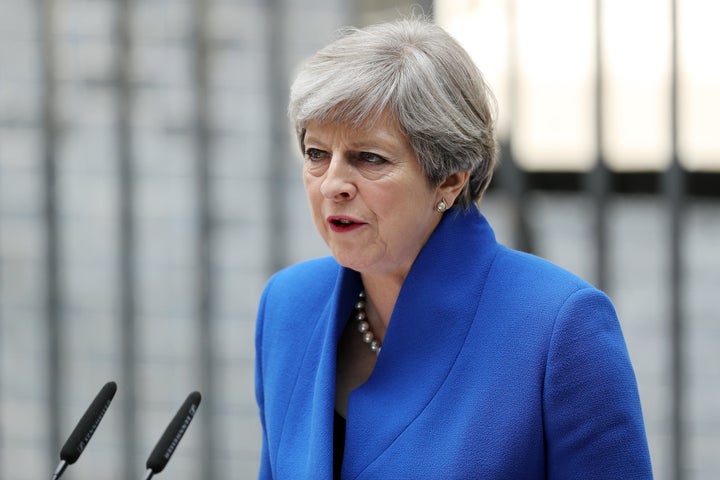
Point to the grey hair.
(418, 73)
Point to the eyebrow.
(366, 142)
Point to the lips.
(343, 224)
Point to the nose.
(338, 182)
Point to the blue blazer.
(495, 365)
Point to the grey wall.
(145, 197)
(148, 188)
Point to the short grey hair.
(421, 75)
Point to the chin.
(350, 261)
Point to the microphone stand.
(149, 474)
(60, 469)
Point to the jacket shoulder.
(534, 292)
(305, 286)
(305, 278)
(526, 272)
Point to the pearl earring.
(442, 206)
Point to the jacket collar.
(434, 311)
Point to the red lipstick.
(342, 224)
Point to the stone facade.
(191, 107)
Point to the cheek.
(412, 214)
(314, 197)
(311, 185)
(406, 201)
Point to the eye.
(313, 154)
(371, 158)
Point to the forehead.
(382, 128)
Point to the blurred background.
(149, 186)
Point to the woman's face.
(369, 198)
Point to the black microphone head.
(79, 438)
(173, 433)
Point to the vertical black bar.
(205, 314)
(48, 91)
(514, 181)
(597, 179)
(126, 253)
(511, 176)
(674, 191)
(276, 40)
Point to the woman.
(422, 348)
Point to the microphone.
(79, 438)
(171, 437)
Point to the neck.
(381, 293)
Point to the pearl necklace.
(364, 327)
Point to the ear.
(451, 187)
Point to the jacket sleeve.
(591, 408)
(264, 471)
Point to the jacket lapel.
(431, 319)
(308, 426)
